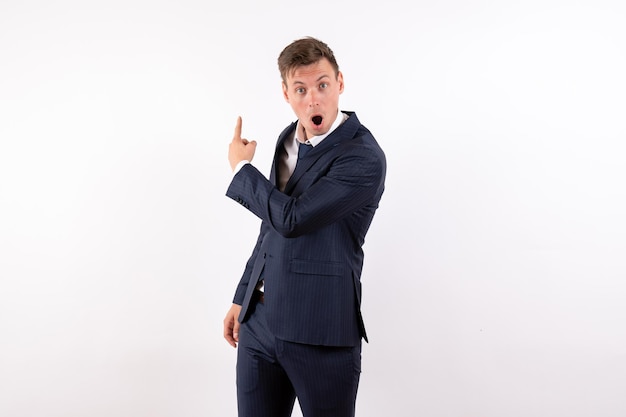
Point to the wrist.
(239, 165)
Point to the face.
(313, 93)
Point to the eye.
(300, 90)
(323, 86)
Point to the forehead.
(310, 73)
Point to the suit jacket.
(309, 249)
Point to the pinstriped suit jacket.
(309, 249)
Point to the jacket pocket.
(308, 267)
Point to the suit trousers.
(271, 373)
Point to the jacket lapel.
(344, 132)
(280, 148)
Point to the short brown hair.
(302, 52)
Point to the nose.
(313, 101)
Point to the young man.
(296, 311)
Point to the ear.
(285, 92)
(340, 81)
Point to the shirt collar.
(315, 140)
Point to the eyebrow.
(319, 79)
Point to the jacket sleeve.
(353, 180)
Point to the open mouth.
(317, 120)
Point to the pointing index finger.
(238, 128)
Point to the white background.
(495, 275)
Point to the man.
(296, 311)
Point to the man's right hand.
(231, 325)
(240, 149)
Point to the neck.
(304, 135)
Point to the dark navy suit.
(309, 250)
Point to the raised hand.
(240, 149)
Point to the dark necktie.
(303, 149)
